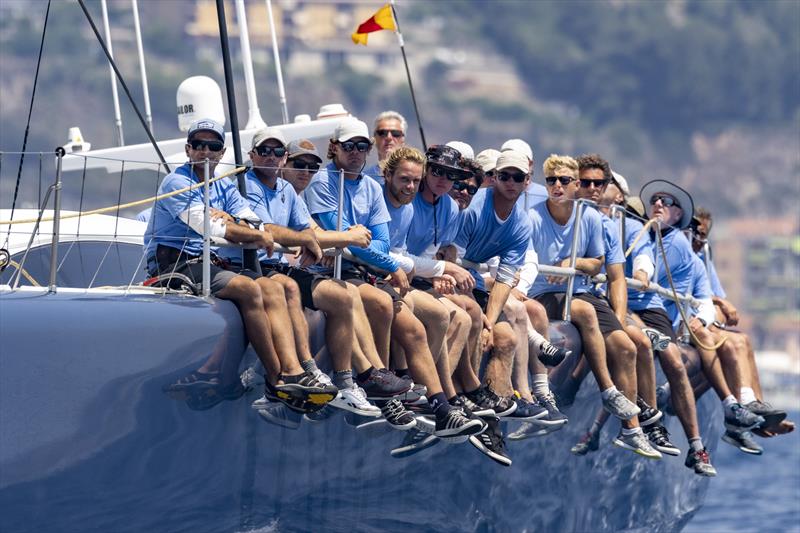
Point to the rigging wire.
(30, 112)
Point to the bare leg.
(712, 367)
(645, 365)
(468, 367)
(622, 366)
(683, 399)
(410, 333)
(332, 298)
(275, 306)
(498, 369)
(379, 309)
(732, 355)
(365, 354)
(436, 320)
(594, 348)
(518, 317)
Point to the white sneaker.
(251, 379)
(637, 443)
(621, 407)
(322, 377)
(354, 400)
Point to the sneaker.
(414, 442)
(659, 438)
(416, 394)
(741, 419)
(658, 340)
(772, 417)
(306, 386)
(277, 413)
(456, 424)
(527, 430)
(251, 379)
(555, 418)
(552, 355)
(383, 384)
(354, 400)
(485, 398)
(744, 441)
(637, 443)
(398, 416)
(700, 462)
(528, 411)
(590, 442)
(648, 415)
(491, 443)
(621, 407)
(475, 408)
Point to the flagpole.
(408, 74)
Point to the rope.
(639, 236)
(129, 204)
(24, 273)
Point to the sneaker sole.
(406, 451)
(736, 444)
(619, 444)
(345, 405)
(669, 451)
(735, 427)
(653, 420)
(502, 414)
(381, 422)
(530, 418)
(500, 459)
(772, 421)
(703, 472)
(473, 427)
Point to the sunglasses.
(563, 180)
(452, 175)
(397, 134)
(597, 183)
(666, 201)
(349, 146)
(518, 177)
(300, 165)
(264, 151)
(213, 146)
(461, 186)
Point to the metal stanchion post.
(206, 231)
(56, 220)
(573, 259)
(337, 264)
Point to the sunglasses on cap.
(563, 180)
(264, 151)
(666, 201)
(213, 146)
(586, 183)
(397, 134)
(349, 146)
(452, 175)
(462, 186)
(518, 177)
(303, 165)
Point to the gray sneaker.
(621, 407)
(554, 417)
(744, 441)
(637, 443)
(741, 419)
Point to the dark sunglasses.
(597, 183)
(300, 165)
(452, 175)
(397, 134)
(213, 146)
(563, 180)
(460, 186)
(518, 177)
(666, 201)
(264, 151)
(349, 146)
(489, 173)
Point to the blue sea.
(754, 493)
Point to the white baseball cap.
(350, 128)
(487, 159)
(620, 181)
(466, 150)
(266, 134)
(520, 146)
(513, 159)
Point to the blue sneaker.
(526, 411)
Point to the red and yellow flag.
(381, 20)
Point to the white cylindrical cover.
(199, 97)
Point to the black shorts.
(171, 259)
(421, 284)
(659, 321)
(553, 302)
(359, 277)
(482, 297)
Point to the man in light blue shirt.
(390, 134)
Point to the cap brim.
(302, 153)
(684, 198)
(195, 132)
(464, 174)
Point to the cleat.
(700, 462)
(621, 407)
(456, 424)
(744, 441)
(590, 442)
(555, 418)
(552, 355)
(741, 419)
(354, 400)
(397, 416)
(491, 443)
(383, 384)
(659, 438)
(637, 443)
(414, 442)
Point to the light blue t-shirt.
(374, 172)
(534, 194)
(434, 225)
(698, 286)
(165, 226)
(553, 244)
(713, 278)
(615, 255)
(398, 226)
(483, 236)
(280, 206)
(683, 265)
(639, 300)
(362, 204)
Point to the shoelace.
(549, 349)
(392, 409)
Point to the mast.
(117, 114)
(277, 58)
(254, 119)
(145, 90)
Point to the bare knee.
(243, 291)
(330, 296)
(272, 292)
(621, 346)
(504, 339)
(583, 314)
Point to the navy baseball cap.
(206, 124)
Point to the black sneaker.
(552, 355)
(485, 398)
(457, 424)
(744, 441)
(700, 462)
(648, 415)
(397, 415)
(590, 442)
(464, 401)
(772, 417)
(659, 438)
(306, 386)
(414, 442)
(383, 384)
(527, 411)
(741, 419)
(491, 443)
(554, 416)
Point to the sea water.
(754, 493)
